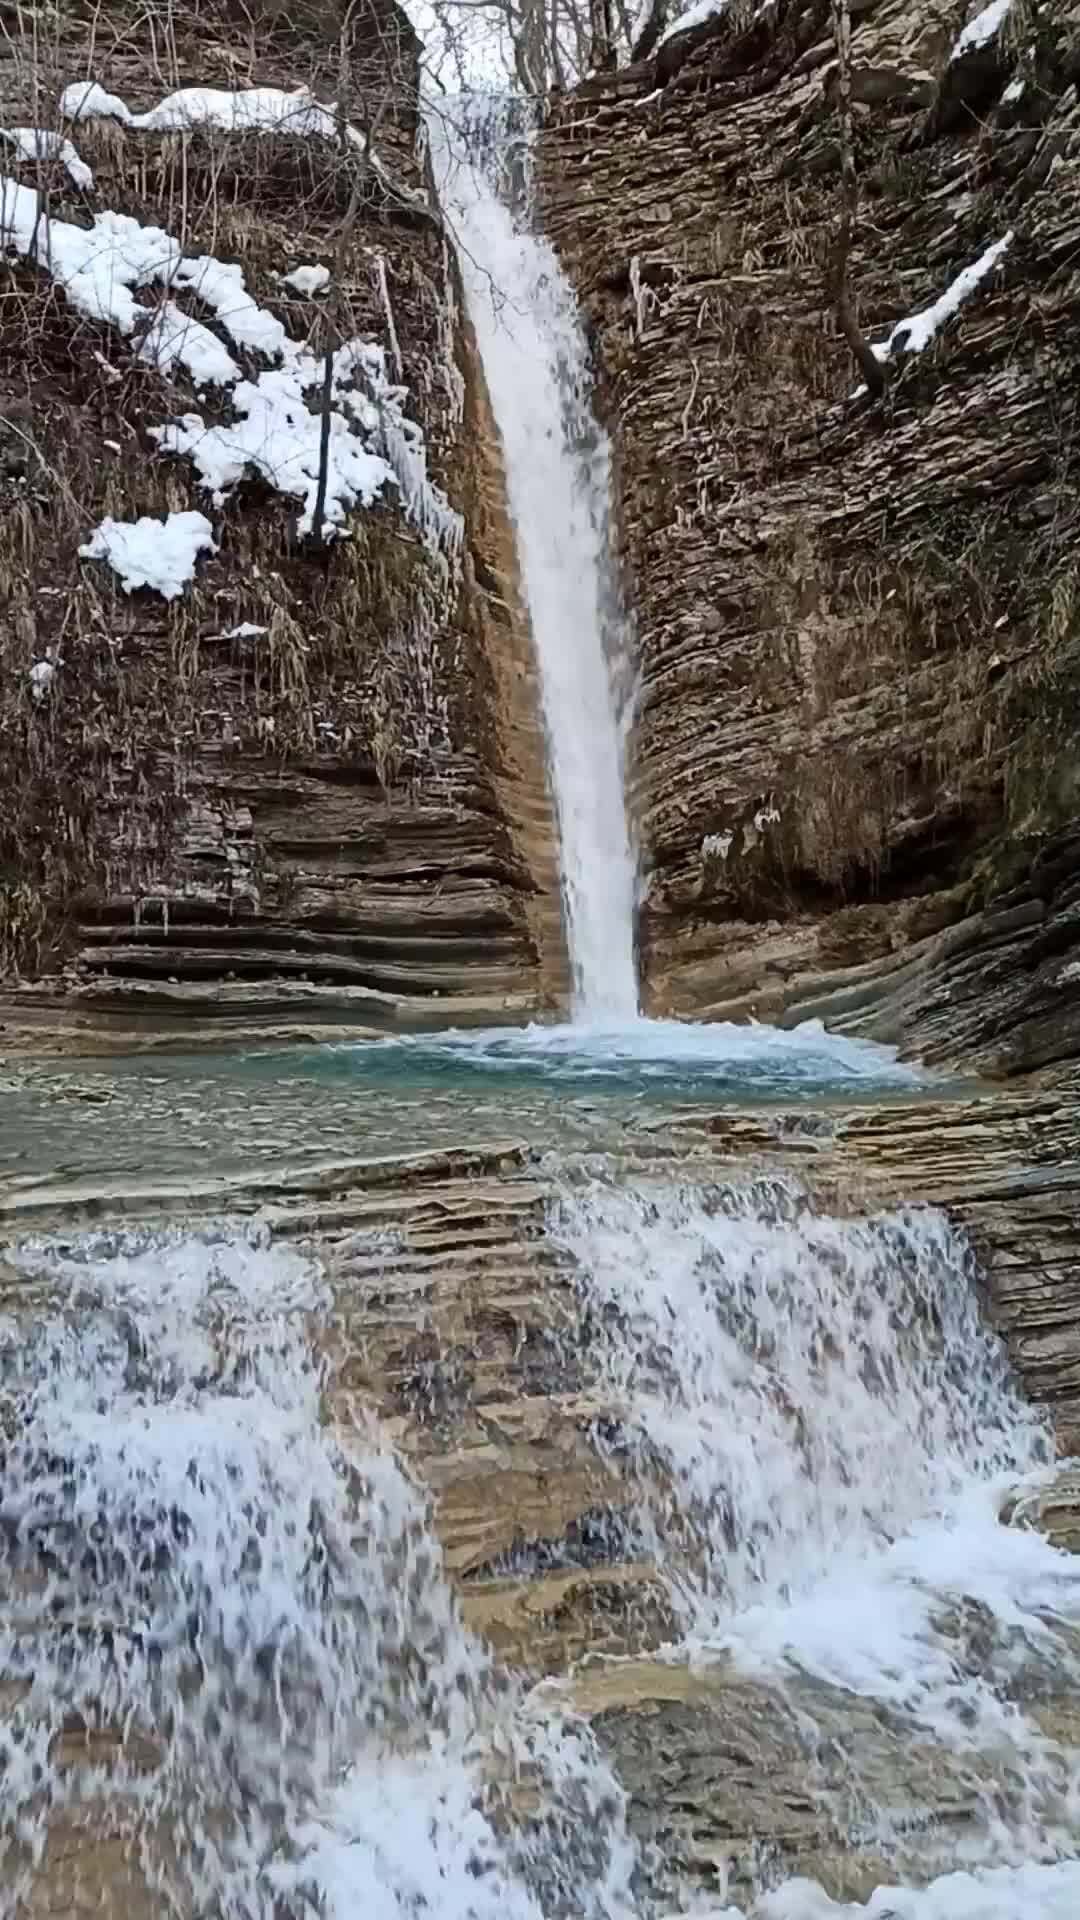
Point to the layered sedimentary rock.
(308, 791)
(459, 1324)
(856, 772)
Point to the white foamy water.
(1002, 1893)
(225, 1634)
(823, 1433)
(557, 460)
(765, 1060)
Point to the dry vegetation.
(148, 696)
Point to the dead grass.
(95, 779)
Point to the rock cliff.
(309, 790)
(856, 773)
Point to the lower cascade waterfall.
(227, 1639)
(229, 1643)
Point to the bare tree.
(839, 284)
(541, 45)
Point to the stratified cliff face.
(309, 790)
(857, 776)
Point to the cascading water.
(533, 350)
(228, 1648)
(822, 1434)
(226, 1641)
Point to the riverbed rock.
(457, 1324)
(855, 770)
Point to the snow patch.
(695, 16)
(248, 110)
(306, 280)
(275, 434)
(1014, 91)
(38, 144)
(917, 331)
(717, 846)
(41, 676)
(982, 29)
(152, 553)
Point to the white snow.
(41, 676)
(174, 338)
(274, 433)
(152, 553)
(248, 110)
(38, 144)
(916, 332)
(982, 29)
(306, 280)
(1014, 91)
(276, 436)
(247, 630)
(693, 17)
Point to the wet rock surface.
(459, 1326)
(854, 776)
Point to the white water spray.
(822, 1432)
(557, 458)
(226, 1641)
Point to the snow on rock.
(274, 433)
(694, 16)
(982, 29)
(918, 329)
(248, 110)
(152, 553)
(37, 144)
(306, 280)
(276, 436)
(174, 338)
(41, 676)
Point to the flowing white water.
(823, 1433)
(557, 460)
(225, 1636)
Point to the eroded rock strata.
(458, 1324)
(856, 772)
(309, 791)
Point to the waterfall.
(557, 460)
(227, 1645)
(822, 1433)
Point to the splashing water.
(226, 1637)
(535, 362)
(822, 1432)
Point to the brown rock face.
(856, 776)
(309, 792)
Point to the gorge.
(488, 1428)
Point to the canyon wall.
(856, 781)
(308, 793)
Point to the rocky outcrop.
(458, 1324)
(856, 778)
(309, 792)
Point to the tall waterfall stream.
(235, 1678)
